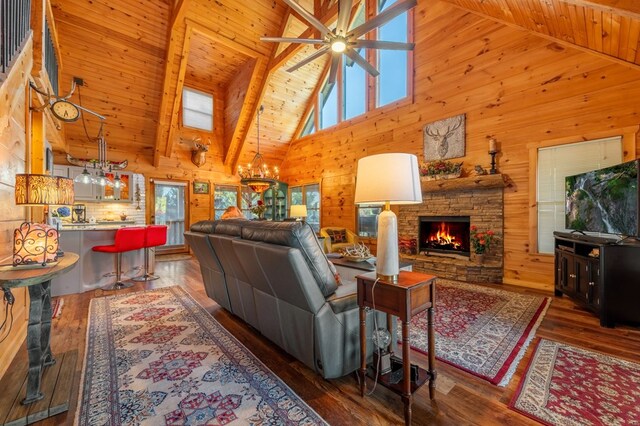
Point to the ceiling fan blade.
(383, 17)
(335, 61)
(343, 17)
(292, 40)
(355, 56)
(309, 17)
(309, 58)
(387, 45)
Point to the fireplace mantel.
(464, 183)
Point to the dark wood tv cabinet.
(599, 274)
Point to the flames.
(443, 237)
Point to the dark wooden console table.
(38, 340)
(413, 293)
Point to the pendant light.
(257, 175)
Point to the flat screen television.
(604, 200)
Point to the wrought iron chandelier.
(257, 175)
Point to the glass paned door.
(170, 208)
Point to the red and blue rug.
(158, 358)
(482, 330)
(566, 385)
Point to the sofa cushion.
(337, 236)
(204, 226)
(298, 235)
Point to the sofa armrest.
(345, 298)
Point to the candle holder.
(493, 170)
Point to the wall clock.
(65, 110)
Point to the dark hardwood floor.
(460, 398)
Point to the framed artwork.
(444, 139)
(200, 187)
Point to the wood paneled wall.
(511, 84)
(13, 148)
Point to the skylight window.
(197, 109)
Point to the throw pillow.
(337, 235)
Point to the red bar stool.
(126, 239)
(155, 235)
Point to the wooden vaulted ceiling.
(135, 57)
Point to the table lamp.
(299, 211)
(32, 242)
(387, 179)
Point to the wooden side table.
(39, 329)
(413, 293)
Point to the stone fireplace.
(441, 227)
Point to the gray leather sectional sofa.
(276, 277)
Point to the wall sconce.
(35, 243)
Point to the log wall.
(13, 149)
(522, 89)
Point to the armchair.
(337, 238)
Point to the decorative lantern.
(34, 243)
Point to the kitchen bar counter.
(90, 272)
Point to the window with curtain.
(197, 109)
(224, 196)
(557, 162)
(308, 195)
(368, 220)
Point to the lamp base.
(393, 279)
(387, 257)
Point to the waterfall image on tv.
(604, 200)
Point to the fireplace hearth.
(444, 234)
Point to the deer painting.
(199, 152)
(444, 139)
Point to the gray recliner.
(276, 277)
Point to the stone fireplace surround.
(481, 198)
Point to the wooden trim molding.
(629, 136)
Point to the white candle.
(492, 145)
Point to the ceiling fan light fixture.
(339, 45)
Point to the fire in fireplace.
(444, 234)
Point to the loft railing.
(15, 17)
(50, 59)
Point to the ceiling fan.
(342, 40)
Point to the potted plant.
(440, 169)
(481, 241)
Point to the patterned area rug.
(566, 385)
(484, 331)
(158, 358)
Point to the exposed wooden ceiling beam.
(232, 155)
(628, 8)
(172, 46)
(311, 102)
(559, 41)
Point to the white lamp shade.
(298, 210)
(393, 178)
